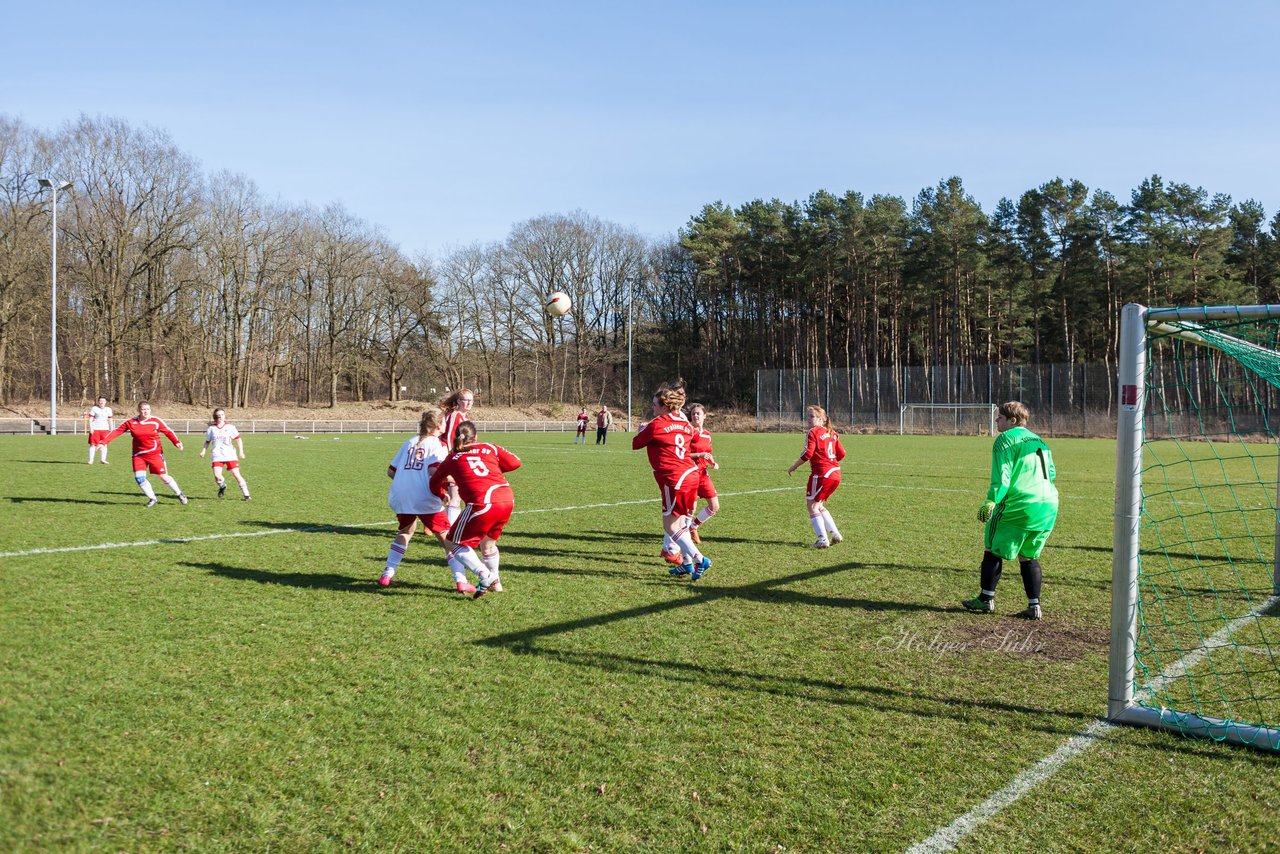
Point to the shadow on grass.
(524, 642)
(30, 499)
(320, 580)
(54, 462)
(793, 687)
(699, 593)
(377, 529)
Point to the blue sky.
(445, 124)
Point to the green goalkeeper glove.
(985, 511)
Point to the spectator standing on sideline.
(603, 421)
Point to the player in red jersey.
(823, 450)
(146, 431)
(702, 456)
(667, 438)
(457, 409)
(581, 436)
(477, 469)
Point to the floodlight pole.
(46, 184)
(631, 286)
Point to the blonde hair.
(450, 403)
(1016, 411)
(821, 413)
(432, 420)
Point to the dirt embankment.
(727, 421)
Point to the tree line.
(177, 284)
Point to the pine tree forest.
(177, 284)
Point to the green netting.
(1208, 621)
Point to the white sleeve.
(397, 462)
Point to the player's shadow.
(795, 687)
(29, 499)
(53, 462)
(511, 545)
(315, 580)
(700, 592)
(649, 537)
(379, 531)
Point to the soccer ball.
(558, 304)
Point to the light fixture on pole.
(46, 184)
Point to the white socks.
(830, 523)
(395, 554)
(819, 526)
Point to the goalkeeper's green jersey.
(1022, 476)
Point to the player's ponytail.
(431, 421)
(672, 396)
(464, 434)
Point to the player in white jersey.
(411, 497)
(99, 421)
(221, 435)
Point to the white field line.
(324, 528)
(946, 838)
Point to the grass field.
(252, 689)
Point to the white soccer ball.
(558, 304)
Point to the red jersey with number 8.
(669, 442)
(823, 450)
(477, 470)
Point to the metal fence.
(190, 426)
(1066, 400)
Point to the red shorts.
(477, 521)
(153, 462)
(820, 488)
(706, 489)
(97, 437)
(229, 465)
(679, 497)
(436, 523)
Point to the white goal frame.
(906, 414)
(1122, 706)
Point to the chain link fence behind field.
(1065, 400)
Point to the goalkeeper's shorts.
(1009, 541)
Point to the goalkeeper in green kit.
(1020, 509)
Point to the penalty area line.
(320, 529)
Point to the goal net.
(1195, 622)
(951, 419)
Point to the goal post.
(957, 419)
(1195, 627)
